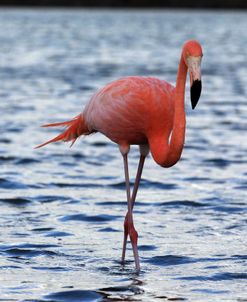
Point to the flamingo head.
(192, 54)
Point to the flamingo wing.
(126, 110)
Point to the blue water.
(62, 209)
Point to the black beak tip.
(195, 92)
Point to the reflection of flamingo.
(140, 111)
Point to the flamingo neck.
(170, 149)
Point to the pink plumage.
(141, 111)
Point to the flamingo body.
(132, 110)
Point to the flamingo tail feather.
(74, 128)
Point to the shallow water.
(62, 209)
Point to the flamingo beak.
(194, 66)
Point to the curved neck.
(168, 151)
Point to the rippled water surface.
(62, 208)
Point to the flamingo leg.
(133, 198)
(128, 222)
(131, 229)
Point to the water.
(62, 209)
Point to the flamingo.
(143, 111)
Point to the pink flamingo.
(142, 111)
